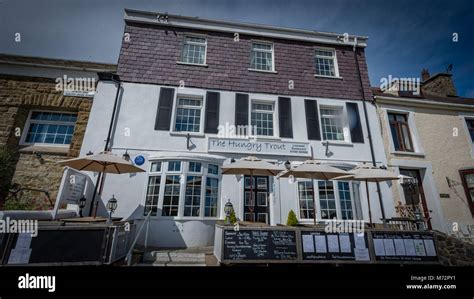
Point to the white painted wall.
(137, 114)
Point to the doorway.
(256, 207)
(416, 198)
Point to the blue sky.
(405, 36)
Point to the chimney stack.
(425, 75)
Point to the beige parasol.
(251, 165)
(368, 173)
(314, 170)
(104, 162)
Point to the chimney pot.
(425, 75)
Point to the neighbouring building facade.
(188, 84)
(44, 108)
(429, 135)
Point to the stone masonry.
(19, 95)
(453, 251)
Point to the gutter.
(147, 17)
(422, 103)
(100, 178)
(52, 66)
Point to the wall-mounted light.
(288, 164)
(232, 160)
(89, 153)
(126, 156)
(328, 152)
(452, 183)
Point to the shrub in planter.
(232, 217)
(292, 220)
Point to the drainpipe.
(100, 178)
(372, 153)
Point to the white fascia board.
(422, 103)
(243, 28)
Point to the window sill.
(329, 77)
(191, 134)
(194, 64)
(414, 154)
(262, 71)
(265, 138)
(195, 218)
(337, 143)
(46, 149)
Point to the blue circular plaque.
(139, 160)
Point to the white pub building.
(188, 86)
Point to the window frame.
(184, 173)
(186, 35)
(201, 193)
(276, 129)
(30, 121)
(344, 123)
(252, 42)
(463, 173)
(469, 128)
(337, 199)
(464, 117)
(336, 66)
(299, 199)
(218, 177)
(201, 116)
(399, 126)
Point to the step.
(166, 257)
(179, 264)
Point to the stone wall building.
(44, 109)
(429, 135)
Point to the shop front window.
(179, 190)
(327, 200)
(305, 194)
(337, 200)
(171, 196)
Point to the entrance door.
(256, 207)
(414, 199)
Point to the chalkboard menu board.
(404, 246)
(58, 246)
(260, 245)
(321, 246)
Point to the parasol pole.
(314, 202)
(102, 174)
(252, 205)
(368, 201)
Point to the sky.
(405, 36)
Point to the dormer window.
(194, 50)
